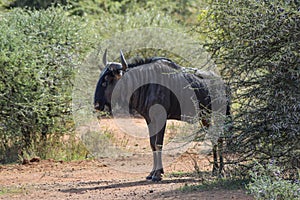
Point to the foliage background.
(256, 43)
(39, 50)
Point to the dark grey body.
(148, 95)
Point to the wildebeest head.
(109, 76)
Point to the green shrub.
(39, 50)
(267, 183)
(256, 43)
(34, 4)
(182, 11)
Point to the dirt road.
(92, 179)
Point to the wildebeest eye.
(109, 78)
(104, 84)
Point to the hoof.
(156, 178)
(149, 177)
(156, 175)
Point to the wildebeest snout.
(97, 106)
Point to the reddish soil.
(101, 179)
(93, 180)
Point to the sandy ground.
(91, 179)
(111, 177)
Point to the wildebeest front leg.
(156, 142)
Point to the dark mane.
(138, 61)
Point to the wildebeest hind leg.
(215, 163)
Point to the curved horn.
(123, 61)
(104, 59)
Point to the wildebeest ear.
(104, 59)
(123, 61)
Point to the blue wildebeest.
(146, 95)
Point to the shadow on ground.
(111, 185)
